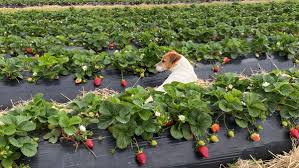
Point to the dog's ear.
(175, 57)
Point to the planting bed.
(257, 111)
(37, 43)
(24, 3)
(170, 152)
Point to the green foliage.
(81, 42)
(127, 115)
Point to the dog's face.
(168, 61)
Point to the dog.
(181, 70)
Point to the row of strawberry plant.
(97, 34)
(191, 30)
(14, 45)
(188, 109)
(93, 2)
(87, 64)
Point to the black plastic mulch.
(169, 153)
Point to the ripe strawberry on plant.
(226, 60)
(214, 138)
(255, 137)
(124, 83)
(169, 123)
(141, 157)
(29, 50)
(294, 133)
(111, 45)
(215, 128)
(89, 143)
(216, 68)
(97, 81)
(203, 151)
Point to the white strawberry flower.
(182, 118)
(34, 74)
(157, 114)
(82, 128)
(244, 104)
(116, 51)
(84, 68)
(230, 86)
(265, 84)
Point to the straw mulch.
(285, 160)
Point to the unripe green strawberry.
(259, 128)
(29, 79)
(154, 143)
(51, 126)
(284, 123)
(36, 139)
(201, 143)
(231, 133)
(214, 138)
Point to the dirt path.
(145, 6)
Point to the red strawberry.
(226, 60)
(141, 158)
(97, 81)
(294, 133)
(111, 46)
(124, 83)
(168, 124)
(215, 128)
(255, 137)
(204, 151)
(216, 69)
(89, 143)
(29, 50)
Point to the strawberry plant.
(199, 33)
(48, 67)
(11, 68)
(185, 108)
(86, 64)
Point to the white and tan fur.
(181, 70)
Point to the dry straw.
(285, 160)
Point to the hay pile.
(286, 160)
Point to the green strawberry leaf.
(176, 132)
(29, 149)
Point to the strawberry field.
(202, 124)
(36, 41)
(92, 2)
